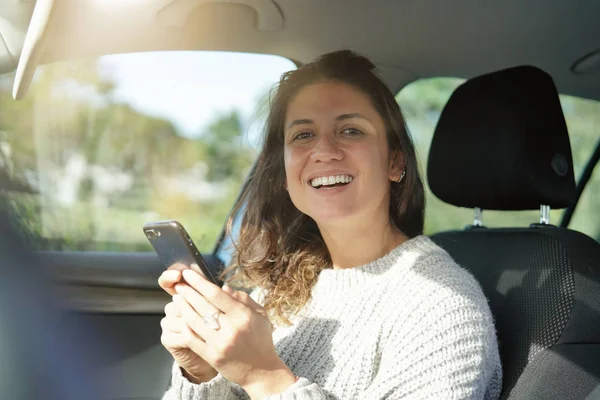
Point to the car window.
(422, 102)
(586, 218)
(99, 147)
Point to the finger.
(226, 288)
(196, 300)
(214, 294)
(244, 298)
(193, 321)
(168, 279)
(247, 300)
(178, 267)
(174, 325)
(194, 342)
(172, 340)
(172, 310)
(196, 268)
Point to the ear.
(397, 165)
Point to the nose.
(327, 149)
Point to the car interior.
(541, 280)
(502, 143)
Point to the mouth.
(333, 181)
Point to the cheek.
(374, 164)
(287, 163)
(383, 158)
(373, 157)
(293, 161)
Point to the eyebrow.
(351, 116)
(340, 117)
(300, 122)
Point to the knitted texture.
(412, 324)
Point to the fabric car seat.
(502, 144)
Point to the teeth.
(330, 180)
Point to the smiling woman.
(357, 142)
(363, 305)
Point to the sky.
(191, 88)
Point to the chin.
(332, 216)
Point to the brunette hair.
(280, 249)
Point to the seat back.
(502, 144)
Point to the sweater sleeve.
(220, 388)
(217, 388)
(450, 353)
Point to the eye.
(302, 135)
(352, 132)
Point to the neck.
(359, 244)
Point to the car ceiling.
(407, 40)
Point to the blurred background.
(100, 146)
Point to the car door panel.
(116, 297)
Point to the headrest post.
(544, 215)
(478, 221)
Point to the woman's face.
(337, 162)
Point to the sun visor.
(33, 47)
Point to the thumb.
(245, 299)
(227, 289)
(233, 293)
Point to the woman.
(363, 305)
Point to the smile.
(331, 181)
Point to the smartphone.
(173, 245)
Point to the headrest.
(502, 144)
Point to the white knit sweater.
(412, 324)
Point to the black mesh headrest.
(502, 144)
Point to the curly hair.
(279, 248)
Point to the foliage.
(89, 171)
(101, 168)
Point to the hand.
(175, 330)
(242, 349)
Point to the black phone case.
(173, 245)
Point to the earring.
(401, 176)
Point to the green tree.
(226, 154)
